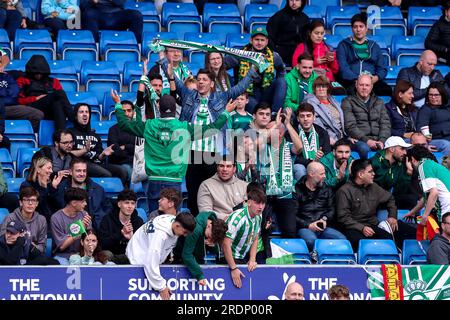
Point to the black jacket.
(324, 143)
(412, 75)
(22, 252)
(313, 205)
(438, 119)
(83, 133)
(118, 138)
(287, 28)
(110, 235)
(438, 38)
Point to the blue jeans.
(311, 236)
(10, 20)
(153, 190)
(441, 145)
(362, 148)
(274, 94)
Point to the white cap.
(396, 141)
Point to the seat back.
(119, 47)
(237, 40)
(407, 46)
(3, 214)
(257, 15)
(108, 103)
(141, 213)
(23, 161)
(29, 42)
(100, 77)
(112, 186)
(7, 163)
(334, 251)
(377, 251)
(46, 130)
(415, 252)
(14, 185)
(102, 128)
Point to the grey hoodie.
(36, 227)
(439, 251)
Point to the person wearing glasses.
(433, 119)
(61, 150)
(36, 225)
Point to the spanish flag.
(429, 231)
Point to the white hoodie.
(150, 245)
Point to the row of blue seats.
(370, 251)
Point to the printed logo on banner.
(287, 281)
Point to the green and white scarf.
(182, 72)
(310, 144)
(152, 93)
(256, 58)
(280, 183)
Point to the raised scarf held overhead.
(269, 73)
(256, 58)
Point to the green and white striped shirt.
(434, 175)
(203, 117)
(242, 230)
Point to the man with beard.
(393, 172)
(223, 191)
(272, 86)
(337, 164)
(315, 207)
(61, 151)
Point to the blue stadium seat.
(222, 19)
(338, 17)
(108, 103)
(149, 13)
(16, 65)
(333, 40)
(112, 186)
(237, 40)
(21, 134)
(420, 19)
(132, 72)
(370, 154)
(100, 77)
(295, 246)
(377, 251)
(407, 49)
(181, 18)
(48, 247)
(339, 98)
(102, 127)
(141, 195)
(415, 252)
(194, 67)
(334, 251)
(23, 161)
(147, 38)
(257, 15)
(385, 49)
(443, 69)
(66, 73)
(14, 185)
(391, 77)
(355, 155)
(3, 214)
(77, 46)
(386, 99)
(439, 156)
(5, 44)
(324, 4)
(89, 99)
(314, 13)
(391, 23)
(119, 47)
(7, 164)
(46, 130)
(141, 213)
(30, 42)
(206, 38)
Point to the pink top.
(319, 50)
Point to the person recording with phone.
(316, 210)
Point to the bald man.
(366, 120)
(315, 206)
(294, 291)
(421, 75)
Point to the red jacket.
(319, 50)
(26, 97)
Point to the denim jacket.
(216, 101)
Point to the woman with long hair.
(214, 63)
(39, 177)
(402, 110)
(433, 119)
(90, 251)
(324, 57)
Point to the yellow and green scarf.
(268, 74)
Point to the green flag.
(280, 255)
(77, 228)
